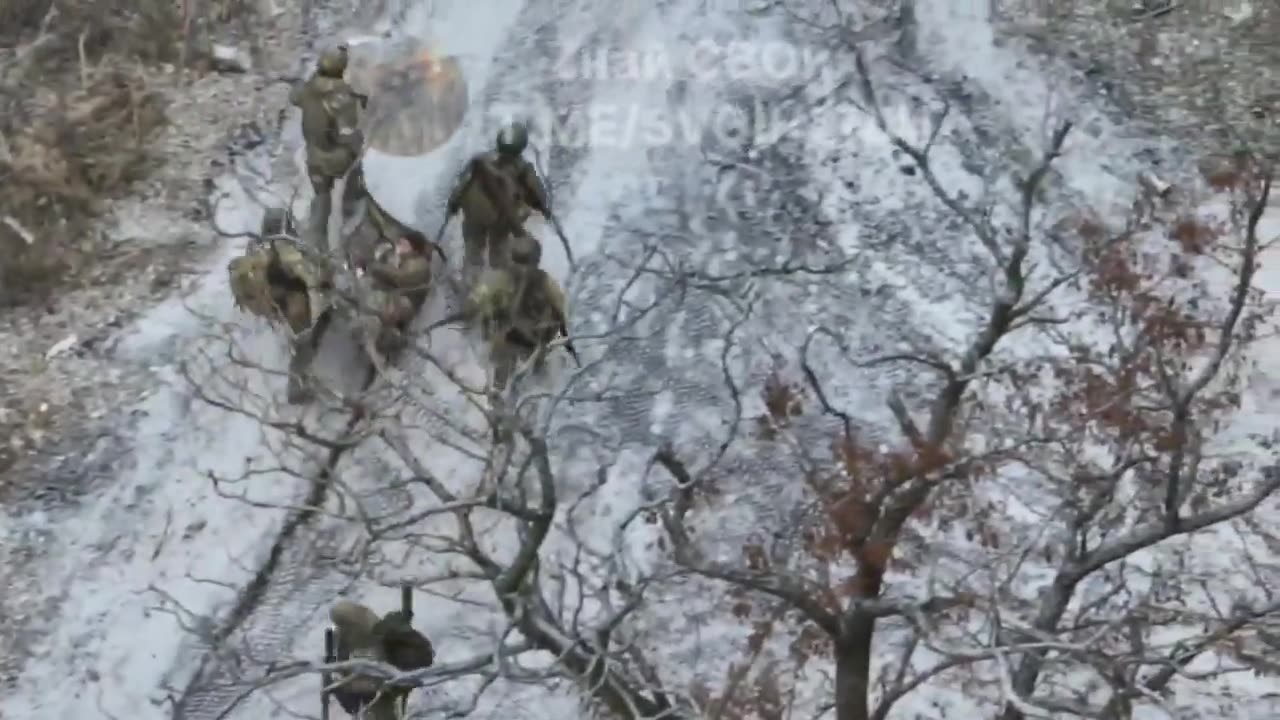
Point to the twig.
(84, 60)
(14, 225)
(164, 534)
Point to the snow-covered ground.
(147, 569)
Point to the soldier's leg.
(354, 191)
(297, 309)
(540, 359)
(317, 231)
(316, 333)
(386, 707)
(474, 239)
(396, 333)
(499, 249)
(503, 357)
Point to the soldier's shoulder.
(288, 251)
(328, 85)
(548, 279)
(494, 277)
(492, 283)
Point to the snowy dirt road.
(169, 594)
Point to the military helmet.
(333, 62)
(513, 139)
(526, 251)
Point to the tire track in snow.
(196, 695)
(282, 606)
(288, 593)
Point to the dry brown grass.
(76, 117)
(1205, 72)
(81, 150)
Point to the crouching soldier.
(275, 280)
(401, 279)
(391, 639)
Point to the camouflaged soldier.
(275, 280)
(496, 194)
(330, 115)
(402, 282)
(520, 309)
(360, 633)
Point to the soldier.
(390, 639)
(276, 281)
(401, 284)
(520, 309)
(330, 114)
(496, 193)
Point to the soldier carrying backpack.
(496, 193)
(276, 281)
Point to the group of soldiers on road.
(289, 277)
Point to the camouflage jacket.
(512, 309)
(521, 190)
(330, 123)
(407, 276)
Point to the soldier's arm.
(534, 190)
(359, 96)
(414, 275)
(315, 124)
(555, 296)
(459, 187)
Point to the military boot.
(298, 391)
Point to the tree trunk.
(1053, 604)
(853, 668)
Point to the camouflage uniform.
(520, 309)
(296, 287)
(401, 285)
(496, 207)
(330, 115)
(390, 639)
(275, 280)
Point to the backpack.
(494, 190)
(402, 646)
(249, 284)
(298, 265)
(541, 310)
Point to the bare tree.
(432, 477)
(1006, 525)
(1107, 420)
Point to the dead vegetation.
(80, 150)
(1203, 71)
(78, 114)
